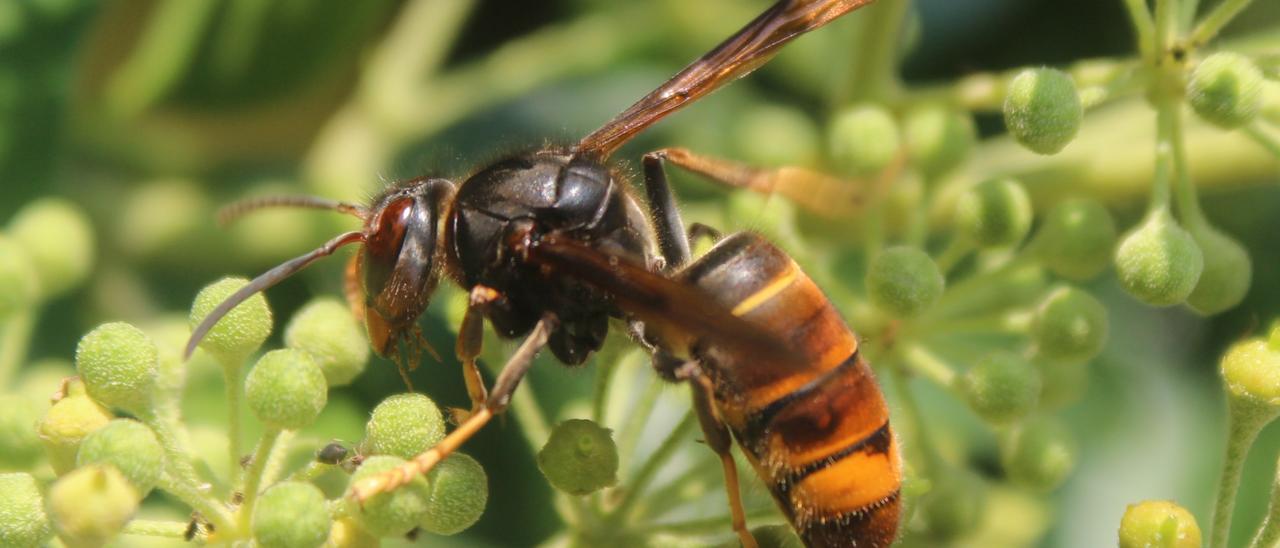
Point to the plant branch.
(1244, 423)
(1213, 23)
(159, 528)
(1143, 27)
(253, 477)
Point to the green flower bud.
(863, 140)
(776, 536)
(347, 533)
(955, 506)
(1039, 454)
(769, 135)
(291, 515)
(131, 447)
(23, 523)
(19, 443)
(579, 457)
(1001, 387)
(1077, 239)
(1158, 262)
(1158, 523)
(286, 389)
(904, 281)
(19, 288)
(65, 425)
(90, 505)
(398, 512)
(938, 138)
(1070, 325)
(1043, 110)
(403, 425)
(59, 240)
(118, 364)
(994, 213)
(1227, 273)
(326, 329)
(1226, 90)
(459, 490)
(241, 331)
(1251, 371)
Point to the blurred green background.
(152, 114)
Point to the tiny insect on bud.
(131, 447)
(239, 333)
(1227, 274)
(90, 505)
(19, 443)
(1158, 523)
(580, 457)
(1076, 239)
(19, 287)
(398, 512)
(774, 136)
(59, 240)
(1226, 90)
(1001, 387)
(119, 365)
(403, 425)
(863, 140)
(1070, 325)
(994, 213)
(286, 389)
(904, 281)
(1039, 454)
(65, 425)
(459, 491)
(954, 506)
(1043, 110)
(938, 139)
(1158, 262)
(333, 453)
(23, 522)
(291, 515)
(326, 329)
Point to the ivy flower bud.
(863, 140)
(1043, 110)
(770, 135)
(239, 333)
(403, 425)
(90, 505)
(776, 536)
(1070, 325)
(291, 514)
(1227, 273)
(904, 281)
(347, 533)
(118, 364)
(994, 213)
(286, 389)
(1077, 239)
(1001, 387)
(23, 523)
(938, 138)
(131, 447)
(1158, 523)
(19, 287)
(1039, 454)
(579, 457)
(391, 514)
(65, 425)
(1158, 262)
(1226, 90)
(955, 506)
(1251, 371)
(459, 490)
(326, 329)
(19, 443)
(58, 238)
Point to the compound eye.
(382, 247)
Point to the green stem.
(1166, 112)
(660, 456)
(198, 500)
(1269, 532)
(671, 490)
(957, 249)
(1216, 20)
(1184, 191)
(1264, 139)
(15, 336)
(233, 372)
(1143, 26)
(872, 76)
(253, 477)
(180, 478)
(929, 365)
(1245, 420)
(158, 528)
(1166, 26)
(629, 434)
(275, 460)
